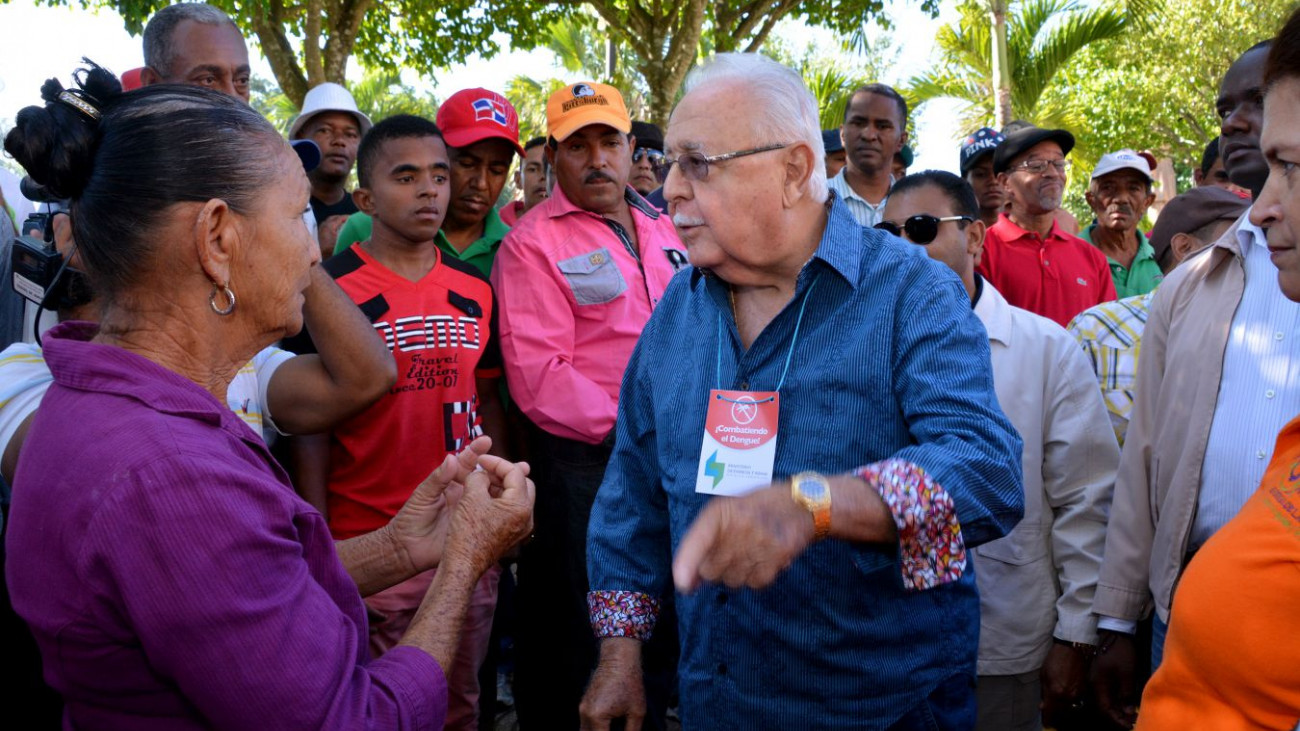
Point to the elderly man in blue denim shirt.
(853, 448)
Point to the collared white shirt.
(867, 214)
(1038, 581)
(1258, 393)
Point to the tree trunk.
(345, 24)
(281, 57)
(315, 70)
(1001, 81)
(336, 21)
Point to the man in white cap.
(1119, 194)
(330, 118)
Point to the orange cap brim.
(589, 117)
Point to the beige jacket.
(1037, 582)
(1159, 481)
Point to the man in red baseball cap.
(481, 129)
(482, 133)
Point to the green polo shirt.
(1141, 277)
(479, 254)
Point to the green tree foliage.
(379, 94)
(579, 45)
(1043, 37)
(666, 36)
(1156, 91)
(308, 42)
(1050, 43)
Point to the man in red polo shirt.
(1028, 258)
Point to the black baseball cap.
(979, 143)
(648, 135)
(831, 140)
(1021, 140)
(308, 153)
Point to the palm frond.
(1059, 43)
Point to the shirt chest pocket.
(593, 277)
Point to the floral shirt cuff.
(622, 614)
(929, 535)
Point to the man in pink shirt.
(576, 281)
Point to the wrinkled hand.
(616, 689)
(420, 527)
(1063, 677)
(495, 512)
(1114, 678)
(743, 541)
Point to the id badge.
(739, 442)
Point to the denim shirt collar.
(840, 247)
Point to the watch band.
(821, 523)
(1083, 647)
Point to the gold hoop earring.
(230, 297)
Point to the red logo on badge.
(744, 410)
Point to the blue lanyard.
(794, 339)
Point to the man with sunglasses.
(1032, 262)
(577, 280)
(808, 423)
(1036, 585)
(647, 156)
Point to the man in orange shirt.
(1232, 659)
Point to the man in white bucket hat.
(331, 119)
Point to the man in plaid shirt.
(1111, 333)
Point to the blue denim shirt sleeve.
(960, 435)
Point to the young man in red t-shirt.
(435, 314)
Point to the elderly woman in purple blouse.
(171, 576)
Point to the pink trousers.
(391, 612)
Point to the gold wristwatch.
(813, 491)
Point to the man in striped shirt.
(874, 130)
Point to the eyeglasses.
(1038, 167)
(695, 166)
(641, 153)
(920, 229)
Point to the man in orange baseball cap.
(576, 281)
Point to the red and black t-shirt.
(440, 331)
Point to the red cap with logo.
(474, 115)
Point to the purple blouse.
(172, 577)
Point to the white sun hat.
(328, 97)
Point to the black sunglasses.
(640, 153)
(920, 229)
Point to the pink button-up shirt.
(573, 300)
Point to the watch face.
(812, 489)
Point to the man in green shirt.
(482, 132)
(1119, 194)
